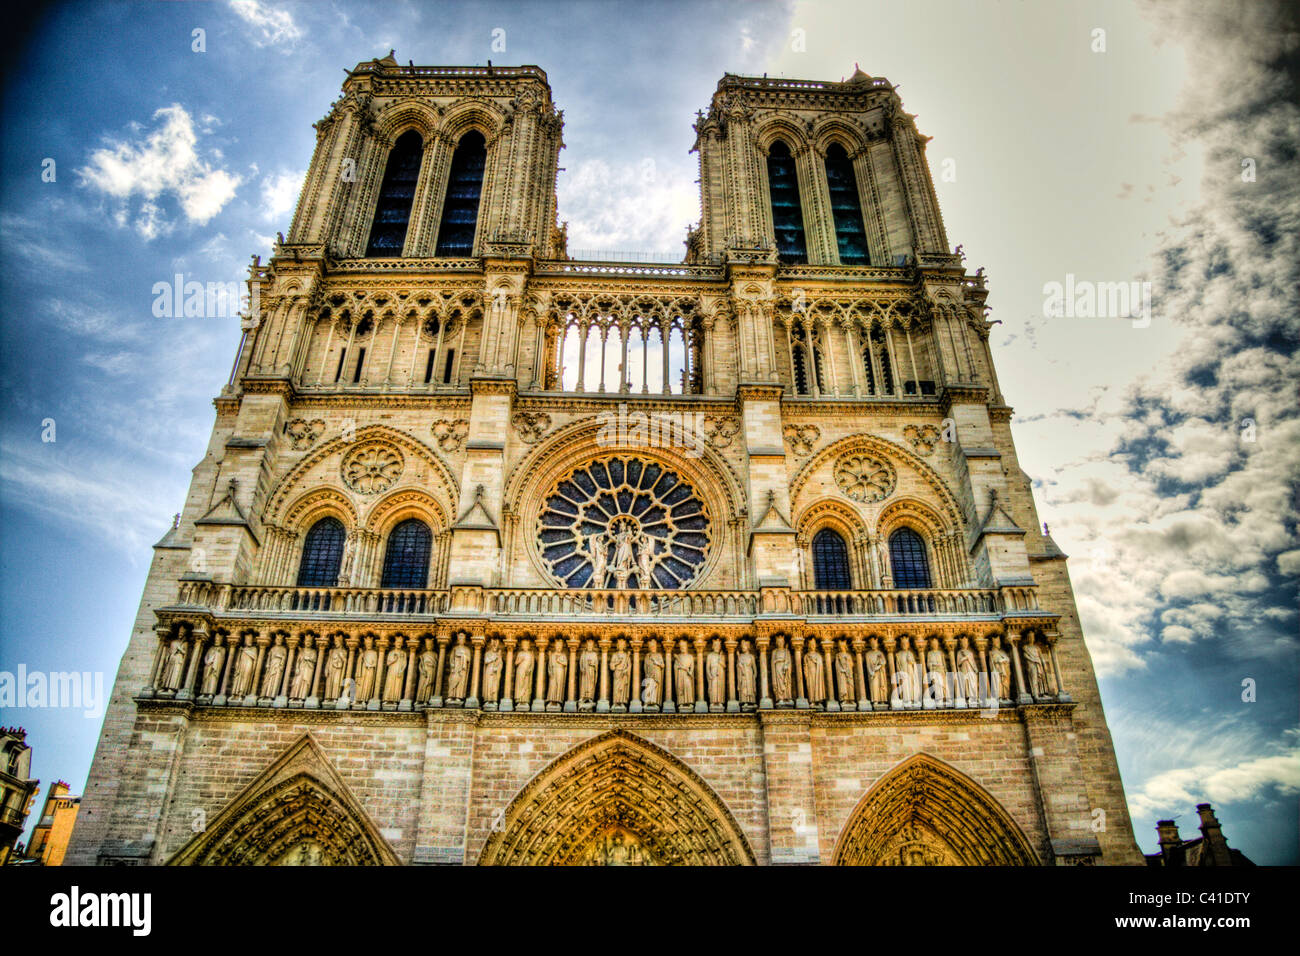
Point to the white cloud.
(279, 194)
(165, 163)
(271, 25)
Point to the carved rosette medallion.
(532, 426)
(864, 477)
(923, 438)
(372, 469)
(623, 522)
(303, 433)
(801, 438)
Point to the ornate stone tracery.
(864, 477)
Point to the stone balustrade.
(648, 668)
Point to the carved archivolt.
(608, 792)
(299, 811)
(371, 469)
(925, 811)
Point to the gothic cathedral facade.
(498, 556)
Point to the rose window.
(623, 523)
(372, 469)
(864, 478)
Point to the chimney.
(1171, 844)
(1213, 834)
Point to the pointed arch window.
(907, 560)
(787, 212)
(830, 562)
(846, 209)
(460, 205)
(406, 559)
(322, 553)
(396, 194)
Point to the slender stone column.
(474, 670)
(670, 645)
(322, 645)
(1056, 669)
(376, 701)
(634, 705)
(263, 641)
(890, 645)
(539, 675)
(701, 695)
(827, 648)
(956, 693)
(987, 698)
(290, 659)
(408, 689)
(602, 700)
(198, 640)
(235, 643)
(571, 691)
(163, 633)
(863, 695)
(436, 699)
(508, 695)
(800, 693)
(764, 693)
(1023, 696)
(733, 704)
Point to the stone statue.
(684, 674)
(746, 675)
(369, 671)
(814, 673)
(428, 664)
(782, 665)
(645, 545)
(1035, 668)
(394, 674)
(492, 665)
(623, 540)
(596, 552)
(620, 668)
(1000, 663)
(936, 672)
(844, 671)
(588, 665)
(175, 670)
(275, 659)
(908, 673)
(715, 671)
(967, 670)
(244, 664)
(458, 678)
(524, 672)
(557, 669)
(338, 660)
(877, 673)
(212, 661)
(652, 675)
(303, 672)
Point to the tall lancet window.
(850, 234)
(393, 211)
(787, 213)
(460, 208)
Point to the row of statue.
(457, 671)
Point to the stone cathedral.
(500, 556)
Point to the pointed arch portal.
(617, 799)
(925, 812)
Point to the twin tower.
(499, 556)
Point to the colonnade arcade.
(606, 668)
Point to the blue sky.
(1110, 165)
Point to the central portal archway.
(617, 800)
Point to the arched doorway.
(617, 800)
(927, 813)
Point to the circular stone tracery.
(372, 469)
(864, 477)
(625, 522)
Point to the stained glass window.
(322, 553)
(393, 211)
(846, 209)
(830, 562)
(907, 559)
(406, 560)
(460, 207)
(787, 213)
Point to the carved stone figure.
(174, 673)
(303, 671)
(596, 552)
(458, 677)
(620, 668)
(844, 671)
(588, 666)
(275, 659)
(782, 665)
(428, 664)
(394, 674)
(212, 661)
(1000, 664)
(492, 665)
(645, 547)
(967, 670)
(369, 671)
(684, 675)
(1035, 668)
(715, 671)
(524, 671)
(746, 675)
(877, 672)
(623, 541)
(814, 673)
(338, 660)
(936, 672)
(652, 675)
(557, 669)
(907, 673)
